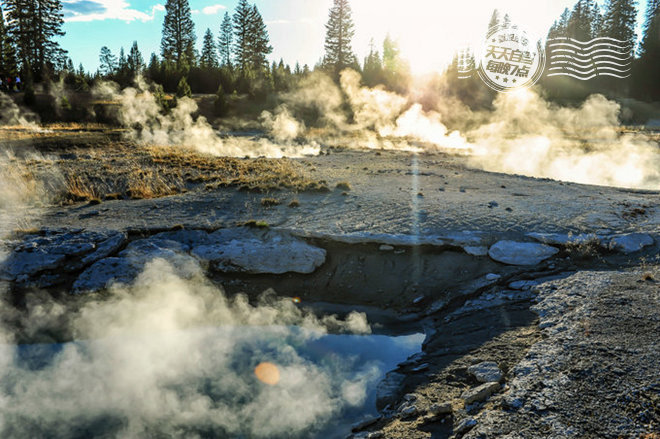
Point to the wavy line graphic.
(560, 59)
(586, 60)
(572, 40)
(588, 71)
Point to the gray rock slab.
(486, 372)
(189, 238)
(106, 272)
(259, 252)
(480, 393)
(630, 243)
(26, 264)
(105, 248)
(521, 253)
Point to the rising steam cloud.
(140, 111)
(153, 366)
(524, 134)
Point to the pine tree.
(647, 68)
(251, 45)
(209, 58)
(579, 24)
(596, 21)
(339, 33)
(242, 24)
(619, 20)
(7, 52)
(135, 60)
(178, 40)
(122, 64)
(225, 40)
(33, 26)
(183, 89)
(259, 43)
(108, 61)
(560, 27)
(372, 72)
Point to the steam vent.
(258, 219)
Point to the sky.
(428, 31)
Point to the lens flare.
(267, 373)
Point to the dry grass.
(583, 249)
(270, 202)
(127, 171)
(344, 185)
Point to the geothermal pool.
(244, 381)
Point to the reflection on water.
(274, 381)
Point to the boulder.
(630, 243)
(130, 262)
(259, 252)
(521, 253)
(486, 372)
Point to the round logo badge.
(509, 60)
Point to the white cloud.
(213, 9)
(108, 10)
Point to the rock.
(368, 422)
(26, 264)
(486, 372)
(476, 250)
(630, 243)
(131, 261)
(106, 272)
(440, 409)
(521, 253)
(464, 426)
(259, 252)
(153, 247)
(107, 247)
(480, 393)
(420, 368)
(386, 248)
(189, 238)
(408, 411)
(563, 239)
(492, 276)
(523, 285)
(388, 389)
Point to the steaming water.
(333, 375)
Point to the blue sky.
(428, 30)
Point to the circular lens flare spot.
(296, 300)
(267, 373)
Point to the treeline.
(618, 19)
(234, 56)
(235, 60)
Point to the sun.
(430, 32)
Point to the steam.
(524, 134)
(140, 111)
(527, 135)
(153, 366)
(12, 115)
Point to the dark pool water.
(198, 383)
